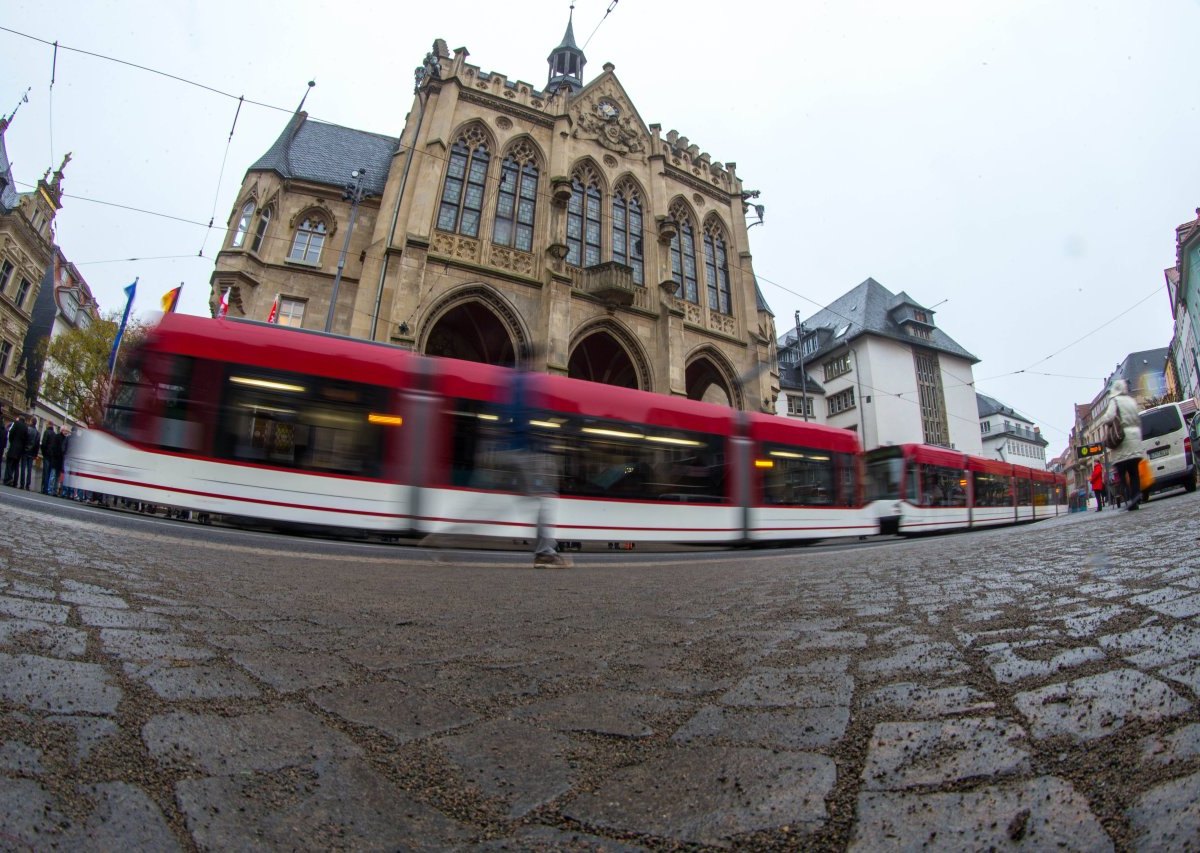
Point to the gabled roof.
(991, 406)
(865, 310)
(760, 301)
(789, 380)
(9, 197)
(327, 153)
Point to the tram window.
(1042, 494)
(884, 475)
(175, 425)
(804, 477)
(591, 458)
(993, 490)
(119, 416)
(912, 484)
(1024, 492)
(303, 422)
(942, 486)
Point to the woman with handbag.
(1121, 430)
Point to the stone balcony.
(611, 282)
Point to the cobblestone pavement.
(1025, 688)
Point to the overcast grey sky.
(1022, 165)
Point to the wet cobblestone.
(1024, 688)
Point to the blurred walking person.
(49, 438)
(14, 451)
(30, 454)
(56, 455)
(1098, 484)
(1123, 409)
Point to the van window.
(1156, 422)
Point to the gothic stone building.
(506, 217)
(26, 251)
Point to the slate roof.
(327, 153)
(991, 406)
(9, 197)
(863, 310)
(760, 301)
(789, 380)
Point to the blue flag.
(112, 358)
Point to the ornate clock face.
(607, 110)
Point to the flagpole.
(129, 292)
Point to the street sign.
(1090, 450)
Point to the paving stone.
(601, 712)
(1011, 662)
(806, 640)
(64, 687)
(394, 709)
(778, 728)
(709, 795)
(54, 640)
(940, 658)
(245, 744)
(288, 671)
(1085, 623)
(91, 599)
(1180, 608)
(31, 590)
(1155, 645)
(121, 817)
(1099, 705)
(1186, 673)
(1173, 747)
(39, 611)
(20, 759)
(335, 804)
(936, 752)
(131, 645)
(178, 680)
(1167, 817)
(546, 838)
(89, 733)
(1043, 813)
(107, 617)
(791, 687)
(911, 700)
(518, 764)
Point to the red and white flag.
(223, 305)
(273, 317)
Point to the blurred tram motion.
(291, 427)
(917, 488)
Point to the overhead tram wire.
(220, 176)
(607, 12)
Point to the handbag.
(1114, 433)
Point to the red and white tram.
(917, 488)
(247, 420)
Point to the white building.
(880, 366)
(1010, 436)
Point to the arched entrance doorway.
(472, 332)
(599, 357)
(705, 381)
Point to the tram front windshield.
(885, 471)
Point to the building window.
(683, 254)
(931, 398)
(243, 225)
(837, 366)
(811, 345)
(260, 233)
(5, 355)
(22, 292)
(310, 238)
(716, 263)
(583, 219)
(799, 405)
(627, 231)
(462, 194)
(6, 271)
(841, 401)
(516, 199)
(918, 332)
(291, 312)
(985, 427)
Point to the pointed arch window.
(683, 254)
(516, 200)
(462, 193)
(309, 240)
(627, 231)
(583, 219)
(260, 233)
(716, 263)
(243, 225)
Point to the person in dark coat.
(14, 451)
(49, 437)
(54, 453)
(30, 453)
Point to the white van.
(1168, 446)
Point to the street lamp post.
(353, 194)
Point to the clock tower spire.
(566, 61)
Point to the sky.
(1020, 167)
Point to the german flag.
(171, 299)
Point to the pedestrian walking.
(30, 453)
(49, 437)
(1123, 411)
(1098, 484)
(528, 461)
(55, 455)
(14, 450)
